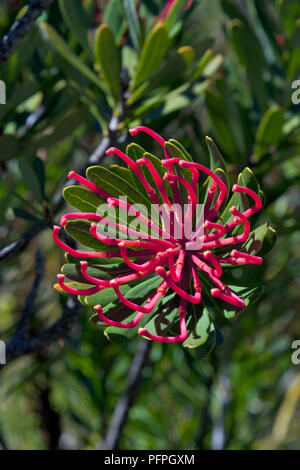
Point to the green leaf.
(40, 172)
(212, 66)
(187, 53)
(105, 298)
(77, 22)
(269, 132)
(216, 159)
(30, 174)
(159, 321)
(164, 322)
(248, 294)
(204, 60)
(99, 262)
(200, 330)
(252, 58)
(124, 173)
(116, 186)
(113, 16)
(23, 214)
(9, 146)
(177, 150)
(174, 150)
(63, 128)
(153, 53)
(73, 272)
(109, 58)
(174, 16)
(73, 284)
(82, 198)
(218, 116)
(80, 231)
(204, 349)
(261, 240)
(240, 200)
(135, 152)
(133, 23)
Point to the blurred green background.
(224, 69)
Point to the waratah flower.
(185, 255)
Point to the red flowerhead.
(186, 248)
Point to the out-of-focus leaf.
(76, 19)
(252, 58)
(269, 132)
(64, 127)
(212, 66)
(153, 53)
(23, 214)
(109, 58)
(40, 172)
(172, 72)
(175, 14)
(55, 40)
(133, 22)
(204, 60)
(112, 16)
(31, 175)
(221, 127)
(187, 53)
(9, 145)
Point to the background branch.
(22, 345)
(122, 407)
(20, 28)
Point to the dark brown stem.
(21, 27)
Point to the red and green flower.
(172, 285)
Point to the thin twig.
(122, 408)
(21, 27)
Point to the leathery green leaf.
(115, 185)
(269, 132)
(153, 53)
(109, 58)
(82, 198)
